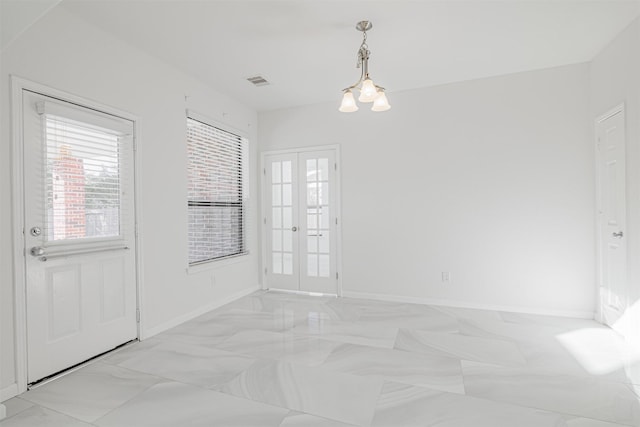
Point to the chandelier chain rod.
(363, 62)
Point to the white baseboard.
(460, 304)
(8, 392)
(148, 333)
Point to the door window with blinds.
(217, 191)
(83, 170)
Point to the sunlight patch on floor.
(600, 351)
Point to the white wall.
(491, 180)
(65, 53)
(615, 79)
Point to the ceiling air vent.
(258, 81)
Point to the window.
(84, 167)
(216, 192)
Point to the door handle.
(619, 234)
(294, 229)
(37, 251)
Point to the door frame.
(19, 84)
(618, 109)
(263, 218)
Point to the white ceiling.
(18, 15)
(307, 49)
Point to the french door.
(300, 220)
(78, 233)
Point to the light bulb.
(380, 103)
(368, 92)
(348, 104)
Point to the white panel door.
(79, 235)
(300, 221)
(612, 216)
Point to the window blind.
(216, 192)
(84, 169)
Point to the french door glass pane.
(286, 194)
(324, 217)
(276, 172)
(323, 242)
(277, 262)
(323, 193)
(287, 261)
(312, 244)
(323, 169)
(324, 265)
(312, 193)
(277, 240)
(311, 169)
(312, 221)
(287, 240)
(276, 196)
(277, 217)
(286, 172)
(312, 265)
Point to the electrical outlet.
(446, 277)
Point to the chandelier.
(369, 92)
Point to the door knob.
(619, 234)
(294, 229)
(37, 251)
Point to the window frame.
(242, 203)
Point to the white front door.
(300, 219)
(610, 130)
(79, 233)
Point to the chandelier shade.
(380, 103)
(368, 92)
(348, 103)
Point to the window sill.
(217, 264)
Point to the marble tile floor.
(285, 360)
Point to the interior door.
(79, 234)
(612, 216)
(301, 221)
